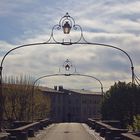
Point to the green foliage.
(121, 102)
(136, 123)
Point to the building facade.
(73, 105)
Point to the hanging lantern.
(67, 67)
(66, 28)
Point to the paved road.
(66, 131)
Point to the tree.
(136, 123)
(42, 105)
(121, 102)
(18, 99)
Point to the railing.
(129, 136)
(109, 132)
(4, 136)
(23, 132)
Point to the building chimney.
(55, 87)
(60, 88)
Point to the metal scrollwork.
(67, 67)
(66, 24)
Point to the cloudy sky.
(113, 22)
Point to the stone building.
(69, 105)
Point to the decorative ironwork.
(68, 67)
(66, 23)
(67, 19)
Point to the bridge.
(74, 108)
(48, 130)
(69, 131)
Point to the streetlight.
(68, 66)
(66, 23)
(66, 28)
(69, 23)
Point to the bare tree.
(18, 99)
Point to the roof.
(49, 90)
(83, 91)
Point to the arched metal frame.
(81, 41)
(52, 75)
(52, 41)
(74, 74)
(68, 66)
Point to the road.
(67, 131)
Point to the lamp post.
(1, 100)
(66, 23)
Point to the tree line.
(122, 102)
(17, 95)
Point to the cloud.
(109, 22)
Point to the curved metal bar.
(89, 43)
(45, 76)
(27, 45)
(81, 34)
(68, 18)
(111, 46)
(85, 75)
(74, 74)
(79, 41)
(82, 37)
(58, 27)
(33, 44)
